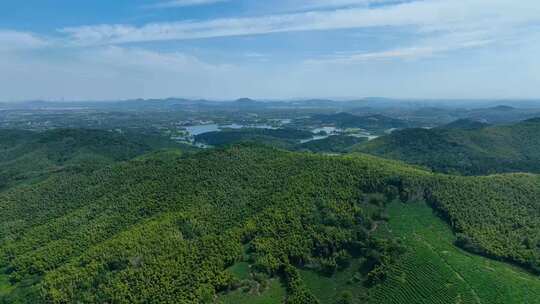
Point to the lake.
(201, 129)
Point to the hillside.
(497, 216)
(249, 223)
(284, 138)
(465, 150)
(194, 217)
(465, 124)
(503, 114)
(433, 261)
(26, 156)
(331, 144)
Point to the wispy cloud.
(183, 3)
(429, 47)
(480, 48)
(14, 40)
(113, 72)
(399, 53)
(434, 15)
(322, 4)
(288, 6)
(118, 72)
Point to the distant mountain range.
(372, 102)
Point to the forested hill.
(374, 122)
(26, 156)
(283, 138)
(198, 228)
(465, 124)
(465, 150)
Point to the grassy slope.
(5, 287)
(274, 293)
(436, 271)
(328, 289)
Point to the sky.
(273, 49)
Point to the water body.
(316, 137)
(201, 129)
(327, 130)
(336, 131)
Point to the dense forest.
(244, 220)
(331, 144)
(283, 138)
(30, 156)
(124, 234)
(498, 215)
(465, 148)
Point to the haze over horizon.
(225, 49)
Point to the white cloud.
(428, 15)
(430, 47)
(320, 4)
(113, 72)
(184, 3)
(284, 6)
(106, 68)
(141, 59)
(13, 40)
(399, 53)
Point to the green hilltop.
(465, 147)
(27, 156)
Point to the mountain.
(253, 224)
(470, 151)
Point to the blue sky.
(225, 49)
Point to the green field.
(274, 293)
(436, 271)
(5, 287)
(329, 289)
(252, 292)
(240, 270)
